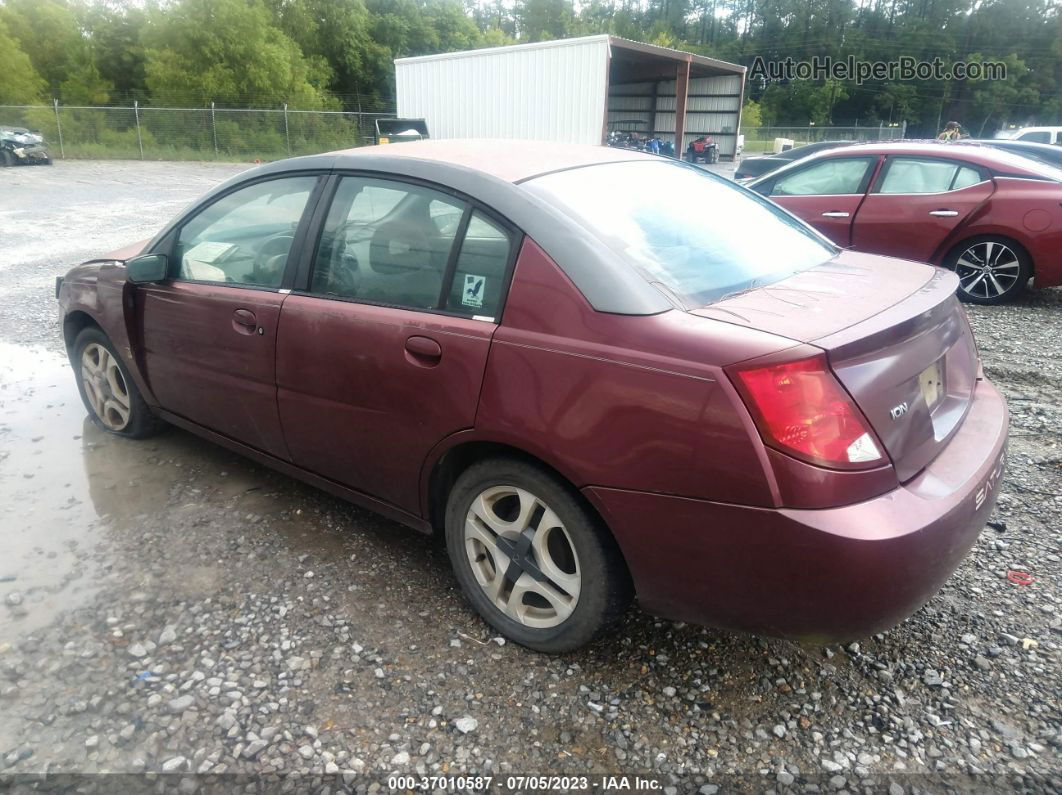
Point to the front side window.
(834, 177)
(245, 237)
(913, 175)
(1037, 136)
(699, 236)
(387, 242)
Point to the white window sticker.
(472, 295)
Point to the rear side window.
(834, 177)
(928, 175)
(1037, 136)
(387, 242)
(401, 244)
(479, 277)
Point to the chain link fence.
(191, 133)
(760, 140)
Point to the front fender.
(97, 292)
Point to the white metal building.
(573, 90)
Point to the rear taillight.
(802, 410)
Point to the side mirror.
(147, 268)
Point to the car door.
(209, 331)
(382, 351)
(826, 193)
(915, 203)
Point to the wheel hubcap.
(105, 387)
(522, 556)
(987, 270)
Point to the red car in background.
(993, 217)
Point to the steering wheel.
(271, 256)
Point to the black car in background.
(1047, 153)
(19, 146)
(750, 167)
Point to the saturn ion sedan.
(993, 217)
(600, 374)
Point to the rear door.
(382, 352)
(826, 193)
(209, 332)
(915, 203)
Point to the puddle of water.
(66, 486)
(62, 480)
(48, 526)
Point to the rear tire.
(107, 390)
(991, 269)
(531, 558)
(7, 158)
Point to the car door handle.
(244, 321)
(423, 351)
(835, 214)
(944, 213)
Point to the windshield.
(699, 236)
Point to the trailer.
(570, 90)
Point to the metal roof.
(700, 65)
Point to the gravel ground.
(172, 608)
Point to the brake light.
(801, 409)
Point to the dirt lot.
(170, 607)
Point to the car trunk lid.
(895, 336)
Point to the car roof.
(506, 159)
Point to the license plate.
(931, 382)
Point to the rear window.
(699, 236)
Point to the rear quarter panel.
(633, 402)
(1026, 210)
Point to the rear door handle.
(423, 351)
(835, 214)
(244, 321)
(944, 213)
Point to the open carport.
(573, 90)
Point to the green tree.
(21, 85)
(751, 115)
(336, 37)
(228, 52)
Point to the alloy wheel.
(987, 270)
(105, 387)
(522, 556)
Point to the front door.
(826, 193)
(209, 332)
(915, 204)
(382, 355)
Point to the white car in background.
(1039, 135)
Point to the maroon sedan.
(993, 217)
(601, 374)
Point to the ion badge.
(472, 295)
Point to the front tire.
(532, 559)
(107, 390)
(6, 158)
(991, 270)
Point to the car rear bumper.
(815, 575)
